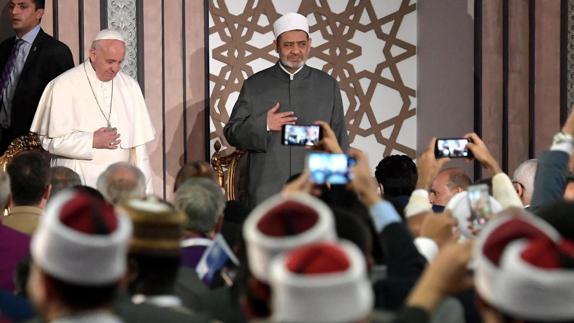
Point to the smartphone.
(329, 168)
(301, 135)
(479, 203)
(452, 148)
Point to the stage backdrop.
(369, 46)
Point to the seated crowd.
(399, 243)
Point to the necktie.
(8, 83)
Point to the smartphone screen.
(329, 168)
(300, 135)
(452, 148)
(479, 203)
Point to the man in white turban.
(289, 92)
(94, 115)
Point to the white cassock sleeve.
(141, 161)
(76, 145)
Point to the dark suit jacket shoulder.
(550, 179)
(47, 59)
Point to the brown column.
(492, 76)
(547, 72)
(518, 83)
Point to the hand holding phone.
(300, 135)
(329, 168)
(479, 203)
(452, 148)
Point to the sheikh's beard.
(292, 65)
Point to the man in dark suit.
(28, 62)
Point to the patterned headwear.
(322, 282)
(158, 227)
(81, 240)
(524, 268)
(283, 223)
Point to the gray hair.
(202, 200)
(4, 189)
(524, 175)
(62, 178)
(121, 182)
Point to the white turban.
(290, 21)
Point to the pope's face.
(293, 48)
(24, 16)
(107, 57)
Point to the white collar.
(291, 75)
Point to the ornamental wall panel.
(369, 46)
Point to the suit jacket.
(550, 179)
(47, 59)
(404, 267)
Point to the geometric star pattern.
(369, 46)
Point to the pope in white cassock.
(94, 115)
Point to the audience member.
(14, 245)
(569, 189)
(154, 254)
(62, 178)
(523, 180)
(121, 182)
(397, 177)
(321, 282)
(553, 168)
(446, 184)
(279, 224)
(79, 257)
(30, 186)
(15, 305)
(196, 168)
(202, 201)
(523, 273)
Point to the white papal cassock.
(68, 115)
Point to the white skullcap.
(290, 21)
(72, 242)
(109, 34)
(460, 209)
(521, 269)
(321, 282)
(283, 223)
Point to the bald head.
(121, 182)
(523, 180)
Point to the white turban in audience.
(81, 240)
(521, 271)
(460, 209)
(283, 223)
(321, 282)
